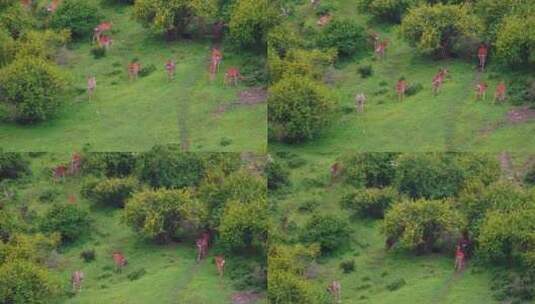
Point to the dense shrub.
(244, 226)
(277, 175)
(79, 16)
(419, 225)
(365, 71)
(42, 44)
(115, 164)
(347, 266)
(22, 282)
(158, 214)
(436, 29)
(9, 225)
(298, 62)
(515, 40)
(13, 165)
(414, 88)
(282, 38)
(529, 178)
(34, 248)
(147, 70)
(346, 36)
(370, 202)
(172, 18)
(166, 166)
(111, 191)
(88, 255)
(137, 274)
(374, 170)
(386, 10)
(7, 48)
(71, 221)
(98, 52)
(299, 109)
(250, 22)
(32, 87)
(329, 231)
(16, 20)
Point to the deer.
(215, 62)
(170, 67)
(76, 164)
(380, 47)
(53, 6)
(324, 20)
(360, 100)
(59, 173)
(481, 91)
(100, 29)
(220, 264)
(335, 289)
(335, 170)
(438, 80)
(91, 86)
(401, 88)
(482, 53)
(202, 243)
(120, 260)
(77, 278)
(133, 70)
(500, 94)
(232, 76)
(105, 42)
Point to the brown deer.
(335, 289)
(133, 70)
(380, 47)
(401, 88)
(500, 94)
(481, 91)
(482, 53)
(91, 86)
(360, 100)
(215, 62)
(53, 6)
(438, 80)
(105, 42)
(202, 243)
(220, 264)
(120, 260)
(336, 170)
(59, 173)
(232, 76)
(77, 278)
(170, 67)
(76, 164)
(100, 29)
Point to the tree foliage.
(13, 165)
(251, 21)
(369, 169)
(344, 35)
(370, 202)
(70, 220)
(111, 191)
(515, 41)
(329, 231)
(79, 16)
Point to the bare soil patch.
(247, 297)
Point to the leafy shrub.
(391, 11)
(324, 8)
(370, 202)
(515, 40)
(147, 70)
(251, 21)
(529, 178)
(77, 15)
(347, 266)
(329, 231)
(419, 225)
(365, 71)
(23, 282)
(98, 52)
(395, 285)
(166, 166)
(134, 275)
(69, 220)
(32, 87)
(158, 214)
(111, 191)
(308, 205)
(225, 141)
(277, 175)
(284, 37)
(115, 164)
(16, 20)
(369, 169)
(414, 88)
(7, 48)
(247, 275)
(299, 109)
(49, 194)
(88, 255)
(346, 36)
(13, 165)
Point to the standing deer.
(335, 289)
(100, 29)
(500, 94)
(77, 278)
(215, 61)
(170, 67)
(133, 70)
(232, 76)
(105, 42)
(360, 100)
(91, 86)
(53, 6)
(482, 53)
(220, 264)
(481, 91)
(202, 243)
(401, 88)
(120, 260)
(438, 80)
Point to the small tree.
(369, 169)
(13, 165)
(16, 20)
(370, 202)
(22, 282)
(172, 17)
(71, 221)
(420, 224)
(436, 29)
(299, 62)
(299, 109)
(158, 214)
(346, 36)
(79, 16)
(33, 88)
(388, 10)
(112, 191)
(250, 22)
(277, 175)
(166, 166)
(114, 164)
(329, 231)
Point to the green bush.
(387, 10)
(515, 40)
(114, 164)
(414, 88)
(299, 109)
(529, 178)
(370, 202)
(365, 71)
(79, 16)
(250, 22)
(33, 88)
(111, 191)
(372, 170)
(8, 48)
(158, 214)
(22, 282)
(346, 36)
(166, 166)
(420, 225)
(98, 52)
(147, 70)
(135, 275)
(329, 231)
(16, 20)
(395, 285)
(13, 165)
(71, 221)
(88, 255)
(277, 175)
(347, 266)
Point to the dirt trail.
(506, 164)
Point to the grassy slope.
(172, 276)
(429, 279)
(127, 116)
(452, 121)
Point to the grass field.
(451, 121)
(428, 278)
(134, 116)
(171, 273)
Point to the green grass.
(172, 274)
(134, 116)
(429, 279)
(451, 121)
